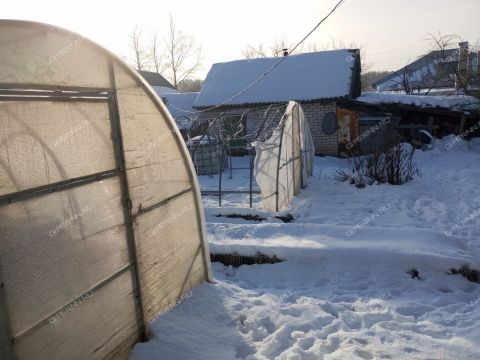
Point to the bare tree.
(156, 56)
(251, 52)
(440, 55)
(183, 57)
(140, 56)
(362, 51)
(463, 76)
(403, 80)
(276, 49)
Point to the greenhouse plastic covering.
(285, 160)
(101, 224)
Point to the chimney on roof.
(462, 71)
(285, 52)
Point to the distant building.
(317, 80)
(158, 82)
(181, 108)
(444, 71)
(179, 104)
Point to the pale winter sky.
(393, 31)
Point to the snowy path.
(343, 292)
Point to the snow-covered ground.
(343, 291)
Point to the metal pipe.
(49, 98)
(251, 177)
(54, 88)
(163, 202)
(278, 162)
(127, 203)
(57, 186)
(220, 181)
(215, 192)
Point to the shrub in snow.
(467, 272)
(394, 165)
(399, 163)
(414, 273)
(236, 260)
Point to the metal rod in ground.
(220, 178)
(251, 177)
(230, 161)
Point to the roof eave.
(230, 106)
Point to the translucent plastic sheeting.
(154, 159)
(107, 315)
(39, 54)
(285, 160)
(171, 251)
(55, 248)
(171, 262)
(43, 142)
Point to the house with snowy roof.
(157, 81)
(444, 71)
(318, 80)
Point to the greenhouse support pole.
(278, 164)
(143, 329)
(300, 150)
(293, 148)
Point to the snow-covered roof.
(452, 102)
(433, 70)
(304, 77)
(181, 108)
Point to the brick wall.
(314, 113)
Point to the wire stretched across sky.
(273, 67)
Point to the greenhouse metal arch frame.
(128, 185)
